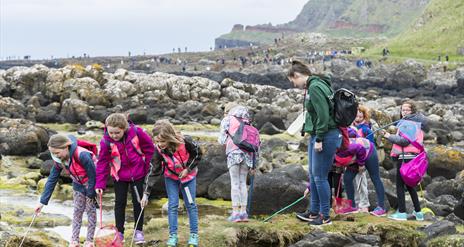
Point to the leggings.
(238, 189)
(81, 204)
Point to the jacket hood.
(324, 78)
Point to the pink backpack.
(414, 170)
(244, 135)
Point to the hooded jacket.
(133, 165)
(320, 117)
(86, 161)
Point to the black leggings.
(400, 189)
(120, 202)
(334, 182)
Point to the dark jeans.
(319, 166)
(372, 167)
(400, 185)
(120, 202)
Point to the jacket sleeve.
(322, 108)
(194, 151)
(86, 161)
(50, 184)
(146, 144)
(155, 170)
(397, 139)
(222, 131)
(103, 166)
(367, 132)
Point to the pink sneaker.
(348, 210)
(379, 212)
(88, 244)
(244, 217)
(74, 244)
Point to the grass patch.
(449, 241)
(252, 36)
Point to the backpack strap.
(414, 143)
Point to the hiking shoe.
(364, 210)
(348, 210)
(234, 217)
(307, 216)
(172, 240)
(139, 238)
(398, 216)
(243, 217)
(193, 240)
(419, 215)
(320, 221)
(88, 244)
(379, 212)
(74, 244)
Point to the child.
(179, 156)
(402, 152)
(79, 163)
(362, 153)
(125, 153)
(239, 163)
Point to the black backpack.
(345, 107)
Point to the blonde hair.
(59, 141)
(165, 131)
(229, 106)
(365, 112)
(118, 120)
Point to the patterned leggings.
(238, 193)
(81, 204)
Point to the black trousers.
(335, 183)
(400, 190)
(120, 190)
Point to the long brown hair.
(411, 104)
(365, 112)
(59, 141)
(165, 131)
(298, 67)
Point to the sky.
(65, 28)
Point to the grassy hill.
(438, 31)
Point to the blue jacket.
(367, 131)
(85, 159)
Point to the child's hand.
(252, 172)
(99, 191)
(38, 208)
(144, 201)
(306, 192)
(183, 174)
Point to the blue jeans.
(372, 167)
(319, 166)
(172, 188)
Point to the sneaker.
(74, 244)
(172, 240)
(364, 210)
(419, 215)
(88, 244)
(320, 221)
(193, 240)
(243, 217)
(379, 212)
(139, 238)
(234, 217)
(121, 236)
(307, 216)
(348, 210)
(398, 216)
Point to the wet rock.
(75, 111)
(21, 137)
(445, 161)
(269, 129)
(12, 108)
(319, 238)
(455, 219)
(276, 189)
(212, 165)
(440, 228)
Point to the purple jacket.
(357, 149)
(133, 166)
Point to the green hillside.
(438, 31)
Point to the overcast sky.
(61, 28)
